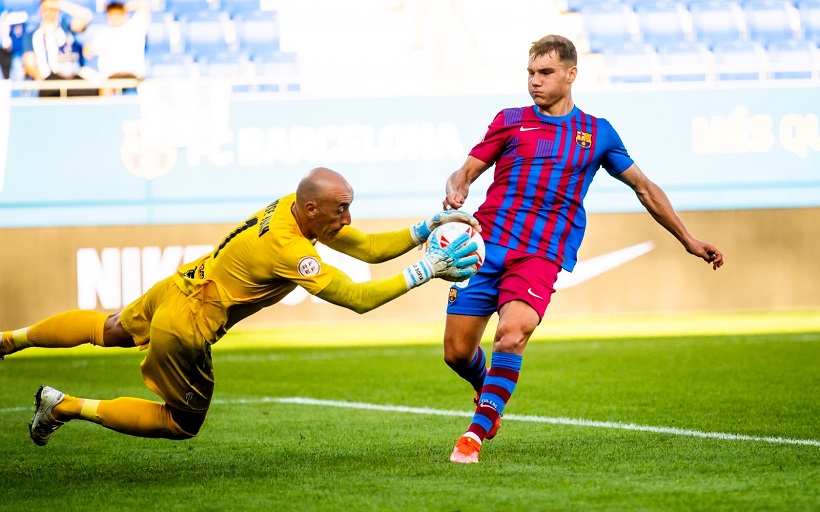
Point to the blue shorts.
(505, 276)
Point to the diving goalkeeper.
(256, 265)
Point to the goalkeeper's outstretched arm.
(453, 263)
(379, 247)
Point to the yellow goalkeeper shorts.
(177, 364)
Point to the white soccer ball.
(448, 232)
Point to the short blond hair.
(563, 48)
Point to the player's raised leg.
(65, 330)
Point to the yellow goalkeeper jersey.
(258, 263)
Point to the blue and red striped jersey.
(543, 168)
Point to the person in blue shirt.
(52, 51)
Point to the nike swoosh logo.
(593, 267)
(529, 290)
(528, 129)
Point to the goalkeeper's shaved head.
(320, 183)
(322, 204)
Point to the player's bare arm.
(458, 184)
(657, 203)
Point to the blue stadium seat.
(661, 22)
(684, 61)
(810, 19)
(235, 7)
(607, 25)
(577, 5)
(716, 21)
(181, 8)
(160, 38)
(170, 65)
(793, 59)
(629, 63)
(205, 32)
(234, 66)
(277, 71)
(739, 60)
(29, 6)
(769, 20)
(257, 31)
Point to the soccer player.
(533, 220)
(254, 266)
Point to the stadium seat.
(809, 11)
(170, 65)
(629, 63)
(277, 71)
(162, 36)
(257, 31)
(233, 66)
(205, 32)
(234, 7)
(793, 59)
(29, 6)
(577, 5)
(684, 61)
(181, 8)
(739, 60)
(607, 25)
(661, 22)
(716, 21)
(769, 20)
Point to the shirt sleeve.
(490, 148)
(300, 263)
(373, 248)
(616, 159)
(363, 297)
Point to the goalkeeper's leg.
(132, 416)
(68, 329)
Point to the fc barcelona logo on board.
(583, 139)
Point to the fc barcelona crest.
(583, 139)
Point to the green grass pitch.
(259, 452)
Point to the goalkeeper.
(254, 266)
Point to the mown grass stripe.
(531, 419)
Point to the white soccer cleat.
(43, 424)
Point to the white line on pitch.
(531, 419)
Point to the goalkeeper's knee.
(185, 424)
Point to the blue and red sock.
(498, 387)
(475, 371)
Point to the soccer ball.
(448, 232)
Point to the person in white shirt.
(120, 46)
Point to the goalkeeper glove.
(421, 231)
(452, 263)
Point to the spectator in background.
(51, 51)
(12, 28)
(6, 50)
(120, 46)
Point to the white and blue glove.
(452, 263)
(421, 231)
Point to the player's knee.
(455, 358)
(185, 424)
(114, 334)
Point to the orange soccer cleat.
(466, 450)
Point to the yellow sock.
(12, 341)
(88, 410)
(67, 329)
(137, 417)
